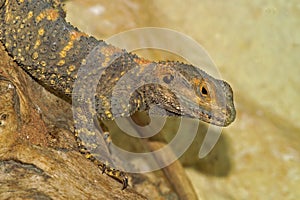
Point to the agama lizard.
(37, 36)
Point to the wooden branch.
(38, 153)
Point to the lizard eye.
(202, 90)
(168, 78)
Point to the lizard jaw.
(220, 114)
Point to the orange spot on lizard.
(49, 14)
(74, 35)
(142, 61)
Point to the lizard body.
(37, 36)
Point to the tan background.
(256, 45)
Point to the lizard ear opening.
(168, 78)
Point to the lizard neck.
(121, 89)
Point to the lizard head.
(185, 90)
(177, 88)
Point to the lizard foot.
(116, 174)
(111, 172)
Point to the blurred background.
(256, 47)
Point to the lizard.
(37, 36)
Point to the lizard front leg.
(105, 168)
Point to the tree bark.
(38, 153)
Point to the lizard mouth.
(220, 116)
(211, 117)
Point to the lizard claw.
(116, 174)
(125, 182)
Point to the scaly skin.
(51, 50)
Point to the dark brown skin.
(51, 50)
